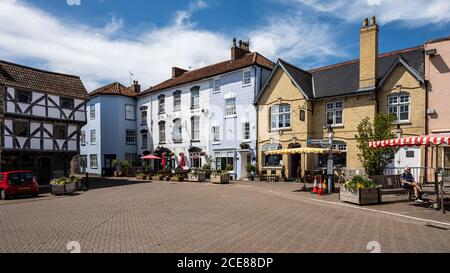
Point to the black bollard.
(86, 182)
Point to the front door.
(295, 169)
(108, 168)
(44, 172)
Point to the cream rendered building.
(295, 105)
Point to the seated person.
(408, 183)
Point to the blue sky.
(103, 40)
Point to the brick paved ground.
(188, 217)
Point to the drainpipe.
(256, 109)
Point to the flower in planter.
(359, 182)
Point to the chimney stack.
(136, 87)
(238, 52)
(368, 54)
(176, 72)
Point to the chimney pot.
(136, 88)
(373, 21)
(239, 52)
(365, 22)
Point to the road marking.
(427, 221)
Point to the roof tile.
(20, 76)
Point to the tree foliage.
(373, 160)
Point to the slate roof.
(249, 59)
(343, 78)
(20, 76)
(114, 88)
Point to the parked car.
(18, 183)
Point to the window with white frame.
(230, 106)
(143, 116)
(334, 113)
(195, 97)
(162, 131)
(83, 138)
(93, 161)
(216, 133)
(131, 157)
(280, 116)
(93, 136)
(217, 85)
(130, 136)
(177, 100)
(92, 112)
(246, 77)
(144, 139)
(177, 131)
(130, 112)
(161, 104)
(398, 106)
(195, 127)
(246, 130)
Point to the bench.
(390, 184)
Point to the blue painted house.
(111, 129)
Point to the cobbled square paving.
(202, 217)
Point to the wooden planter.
(177, 179)
(64, 189)
(360, 196)
(158, 178)
(220, 179)
(196, 177)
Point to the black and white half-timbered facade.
(41, 116)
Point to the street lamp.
(330, 162)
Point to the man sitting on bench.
(408, 183)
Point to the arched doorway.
(295, 163)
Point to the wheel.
(3, 195)
(35, 194)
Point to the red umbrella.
(182, 162)
(163, 160)
(150, 157)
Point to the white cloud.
(411, 13)
(73, 2)
(295, 37)
(30, 35)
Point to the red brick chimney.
(136, 87)
(176, 72)
(238, 52)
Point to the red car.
(18, 183)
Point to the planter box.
(177, 179)
(360, 196)
(158, 178)
(196, 177)
(64, 189)
(220, 179)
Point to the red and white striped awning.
(429, 140)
